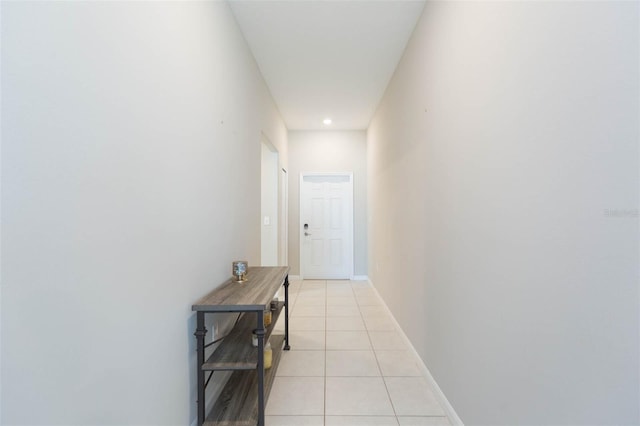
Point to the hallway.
(349, 365)
(495, 151)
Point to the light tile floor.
(348, 365)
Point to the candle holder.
(239, 271)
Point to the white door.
(326, 226)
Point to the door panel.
(336, 252)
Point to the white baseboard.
(353, 277)
(440, 396)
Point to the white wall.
(503, 173)
(329, 151)
(123, 201)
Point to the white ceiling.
(327, 58)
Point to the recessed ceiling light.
(327, 121)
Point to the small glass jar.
(239, 270)
(267, 318)
(268, 356)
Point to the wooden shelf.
(237, 405)
(236, 352)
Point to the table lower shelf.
(237, 405)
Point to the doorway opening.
(326, 225)
(284, 218)
(269, 204)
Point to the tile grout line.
(324, 417)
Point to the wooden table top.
(256, 293)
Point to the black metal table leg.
(201, 332)
(286, 313)
(260, 331)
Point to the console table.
(243, 399)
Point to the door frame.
(269, 237)
(350, 225)
(284, 218)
